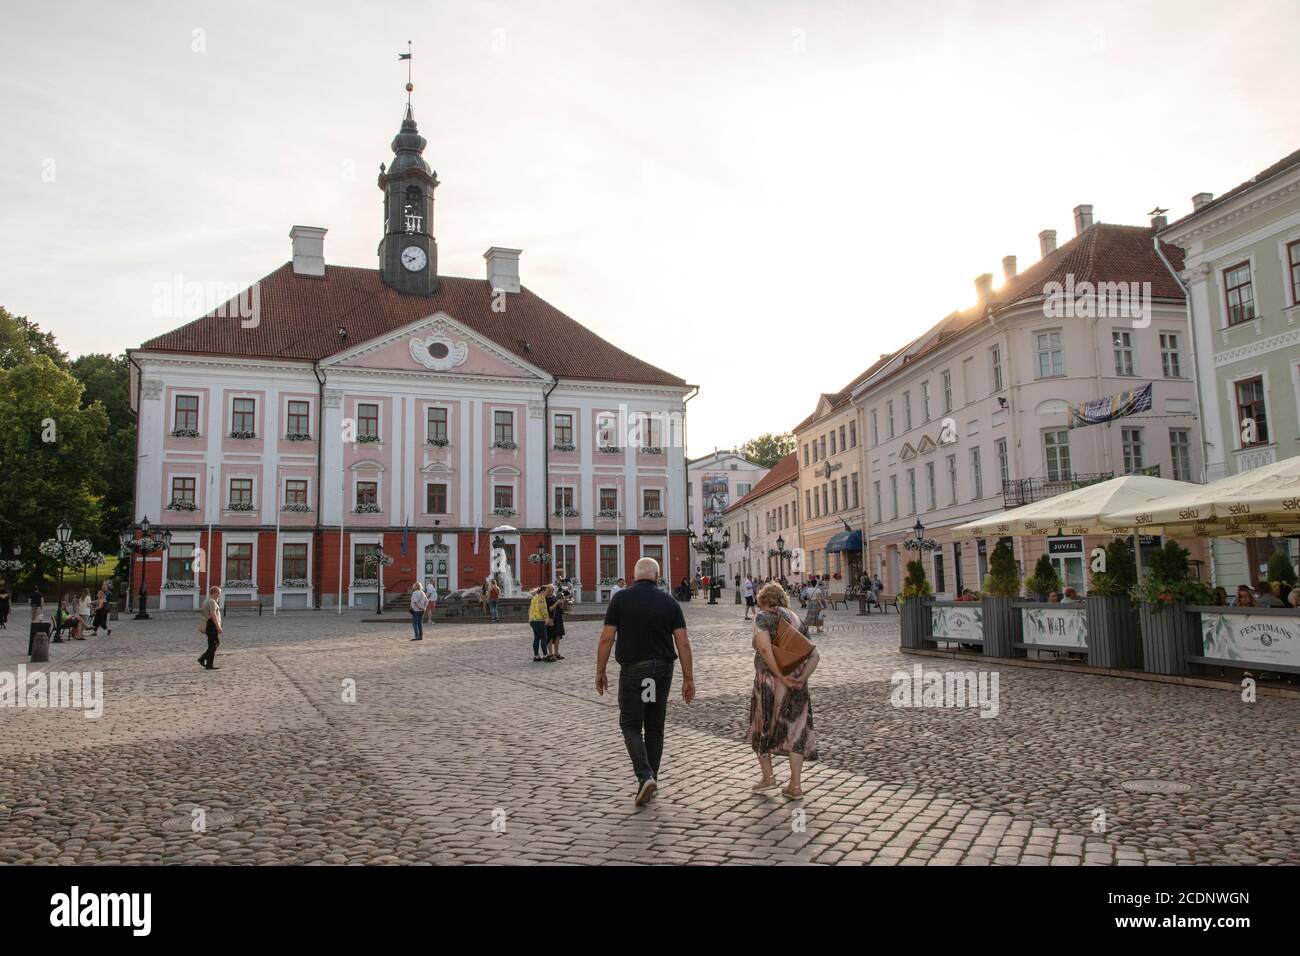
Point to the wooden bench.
(887, 601)
(244, 604)
(841, 598)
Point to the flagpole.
(275, 593)
(343, 501)
(207, 555)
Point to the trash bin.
(38, 642)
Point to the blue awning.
(845, 541)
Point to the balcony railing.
(1022, 491)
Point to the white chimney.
(308, 250)
(1082, 218)
(1008, 268)
(984, 284)
(1046, 242)
(503, 269)
(1200, 199)
(1159, 222)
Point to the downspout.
(546, 465)
(135, 485)
(1015, 466)
(320, 465)
(686, 487)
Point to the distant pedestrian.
(493, 596)
(4, 607)
(538, 619)
(749, 595)
(431, 593)
(210, 626)
(100, 618)
(816, 605)
(557, 605)
(419, 601)
(646, 630)
(619, 585)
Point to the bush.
(1003, 579)
(915, 584)
(1044, 578)
(1120, 574)
(1169, 583)
(1280, 571)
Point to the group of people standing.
(546, 619)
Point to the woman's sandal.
(761, 787)
(785, 791)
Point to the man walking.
(749, 594)
(211, 612)
(651, 634)
(419, 601)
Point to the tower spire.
(407, 56)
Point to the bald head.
(647, 569)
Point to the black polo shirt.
(645, 618)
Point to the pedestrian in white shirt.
(419, 601)
(748, 588)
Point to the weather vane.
(407, 57)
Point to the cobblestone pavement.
(449, 735)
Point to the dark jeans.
(417, 623)
(540, 639)
(209, 657)
(492, 609)
(642, 721)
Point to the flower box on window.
(652, 514)
(294, 583)
(508, 445)
(607, 513)
(185, 433)
(438, 442)
(297, 436)
(564, 446)
(365, 582)
(566, 512)
(172, 585)
(504, 512)
(298, 507)
(367, 439)
(610, 449)
(367, 508)
(651, 450)
(608, 582)
(239, 585)
(240, 506)
(243, 435)
(181, 504)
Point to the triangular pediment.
(926, 444)
(436, 345)
(907, 452)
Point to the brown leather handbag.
(789, 647)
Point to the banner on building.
(1261, 639)
(717, 498)
(1057, 625)
(1107, 409)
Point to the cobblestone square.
(460, 749)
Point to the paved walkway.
(444, 739)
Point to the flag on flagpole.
(406, 534)
(476, 539)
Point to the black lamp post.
(918, 529)
(541, 559)
(379, 579)
(160, 544)
(780, 553)
(124, 539)
(711, 547)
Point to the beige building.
(764, 523)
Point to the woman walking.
(538, 619)
(780, 709)
(210, 627)
(816, 604)
(101, 615)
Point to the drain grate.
(1154, 786)
(185, 823)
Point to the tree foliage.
(1003, 579)
(768, 449)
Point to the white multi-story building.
(765, 522)
(714, 483)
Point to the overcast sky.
(758, 196)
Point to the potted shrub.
(1281, 574)
(1002, 623)
(1044, 579)
(1170, 633)
(914, 607)
(1114, 639)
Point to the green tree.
(1281, 570)
(1121, 571)
(1044, 578)
(1003, 579)
(21, 338)
(107, 380)
(768, 449)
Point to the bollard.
(737, 595)
(862, 603)
(38, 642)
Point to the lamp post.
(64, 534)
(781, 554)
(379, 579)
(541, 559)
(918, 530)
(711, 547)
(124, 539)
(146, 546)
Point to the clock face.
(414, 259)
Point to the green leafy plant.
(915, 584)
(1003, 579)
(1281, 571)
(1170, 582)
(1044, 578)
(1120, 574)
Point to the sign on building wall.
(717, 497)
(1062, 626)
(964, 623)
(1255, 638)
(1107, 409)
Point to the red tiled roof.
(1281, 166)
(784, 471)
(300, 317)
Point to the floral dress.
(780, 719)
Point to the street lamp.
(780, 553)
(711, 547)
(379, 579)
(541, 559)
(145, 546)
(918, 530)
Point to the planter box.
(1114, 638)
(916, 622)
(1003, 627)
(1170, 635)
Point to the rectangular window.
(875, 500)
(855, 489)
(363, 568)
(825, 500)
(1131, 439)
(842, 445)
(1180, 454)
(656, 552)
(367, 493)
(932, 495)
(875, 430)
(239, 562)
(1293, 265)
(822, 443)
(566, 561)
(1056, 455)
(889, 418)
(183, 489)
(907, 411)
(299, 418)
(650, 500)
(805, 455)
(563, 429)
(952, 479)
(608, 499)
(651, 432)
(995, 367)
(1051, 358)
(947, 392)
(807, 502)
(977, 474)
(368, 421)
(187, 413)
(503, 497)
(1004, 464)
(243, 417)
(835, 496)
(609, 562)
(1252, 412)
(241, 491)
(435, 498)
(911, 491)
(1240, 294)
(832, 441)
(853, 434)
(503, 427)
(563, 497)
(436, 424)
(893, 497)
(180, 562)
(1171, 359)
(295, 491)
(1123, 345)
(814, 447)
(606, 426)
(925, 401)
(293, 562)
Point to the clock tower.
(408, 253)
